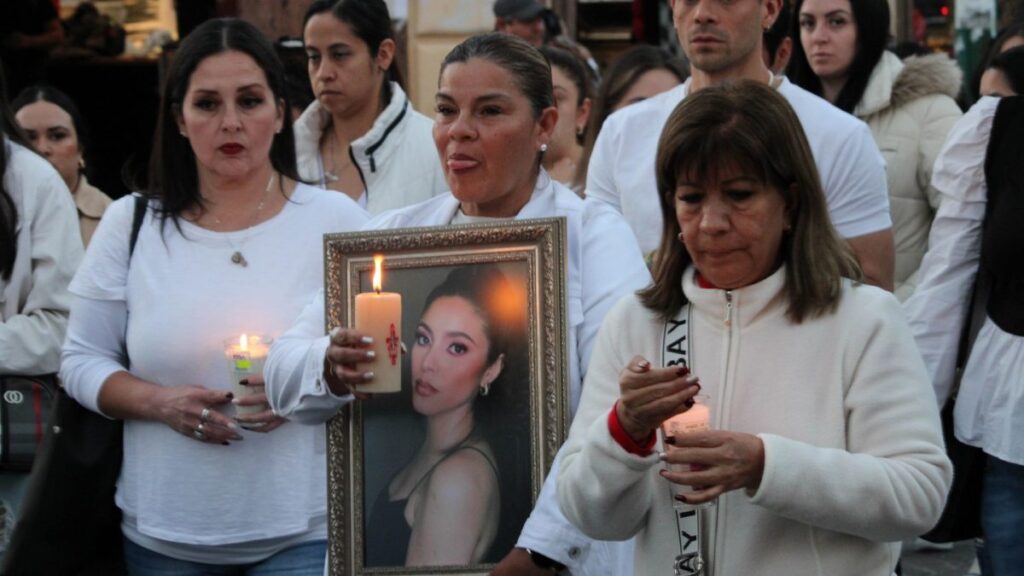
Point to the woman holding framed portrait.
(494, 119)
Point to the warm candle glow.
(243, 342)
(377, 261)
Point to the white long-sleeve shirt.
(989, 409)
(34, 301)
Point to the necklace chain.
(237, 257)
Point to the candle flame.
(377, 261)
(243, 342)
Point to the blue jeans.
(305, 559)
(1002, 519)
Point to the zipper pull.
(728, 309)
(373, 165)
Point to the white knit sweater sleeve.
(892, 479)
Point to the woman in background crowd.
(637, 74)
(39, 251)
(494, 121)
(223, 250)
(978, 234)
(362, 135)
(572, 87)
(1005, 74)
(909, 107)
(57, 131)
(778, 324)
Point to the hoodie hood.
(894, 83)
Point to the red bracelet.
(623, 438)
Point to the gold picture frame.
(366, 440)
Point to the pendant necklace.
(332, 175)
(237, 257)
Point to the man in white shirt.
(724, 42)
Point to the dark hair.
(1011, 64)
(503, 309)
(576, 70)
(530, 71)
(172, 176)
(750, 126)
(995, 47)
(296, 86)
(9, 130)
(619, 78)
(872, 20)
(47, 93)
(779, 31)
(370, 21)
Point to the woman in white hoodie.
(909, 107)
(362, 136)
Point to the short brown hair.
(749, 126)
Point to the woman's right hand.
(347, 347)
(649, 396)
(191, 411)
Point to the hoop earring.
(485, 389)
(81, 164)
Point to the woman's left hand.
(722, 461)
(263, 421)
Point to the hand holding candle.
(379, 315)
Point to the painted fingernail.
(225, 443)
(682, 498)
(683, 371)
(366, 340)
(670, 440)
(662, 456)
(244, 381)
(643, 364)
(663, 473)
(229, 395)
(367, 376)
(370, 354)
(690, 403)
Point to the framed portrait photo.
(439, 475)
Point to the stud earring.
(680, 236)
(543, 148)
(81, 163)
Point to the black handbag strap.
(139, 216)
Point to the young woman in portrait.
(444, 507)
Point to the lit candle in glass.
(697, 418)
(379, 315)
(246, 355)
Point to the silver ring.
(199, 434)
(204, 415)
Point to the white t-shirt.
(852, 170)
(184, 297)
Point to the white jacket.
(35, 302)
(854, 459)
(604, 265)
(396, 158)
(910, 109)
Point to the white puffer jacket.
(397, 157)
(909, 107)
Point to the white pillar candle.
(379, 315)
(246, 354)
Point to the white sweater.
(853, 449)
